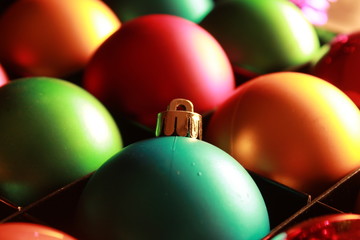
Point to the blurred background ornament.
(3, 76)
(193, 10)
(53, 38)
(316, 11)
(343, 16)
(339, 64)
(262, 36)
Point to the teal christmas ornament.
(175, 186)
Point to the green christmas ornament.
(52, 133)
(175, 186)
(263, 36)
(193, 10)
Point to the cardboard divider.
(345, 195)
(281, 201)
(7, 208)
(340, 198)
(56, 210)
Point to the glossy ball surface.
(193, 10)
(172, 188)
(52, 133)
(154, 59)
(291, 127)
(3, 76)
(343, 226)
(53, 38)
(262, 36)
(31, 231)
(339, 65)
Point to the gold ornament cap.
(179, 120)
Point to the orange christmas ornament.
(53, 38)
(294, 128)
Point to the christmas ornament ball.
(341, 226)
(189, 9)
(31, 231)
(52, 133)
(291, 127)
(339, 64)
(263, 36)
(53, 38)
(3, 76)
(172, 187)
(153, 59)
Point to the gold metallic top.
(178, 122)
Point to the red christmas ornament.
(329, 227)
(155, 58)
(340, 65)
